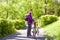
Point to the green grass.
(53, 30)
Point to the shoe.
(29, 36)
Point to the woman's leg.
(29, 30)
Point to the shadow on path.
(12, 36)
(40, 38)
(21, 35)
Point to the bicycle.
(35, 29)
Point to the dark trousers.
(29, 30)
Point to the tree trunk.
(7, 15)
(45, 7)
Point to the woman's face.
(30, 12)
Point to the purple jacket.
(29, 18)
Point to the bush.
(53, 30)
(6, 27)
(47, 19)
(19, 24)
(0, 31)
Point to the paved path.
(21, 35)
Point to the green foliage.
(19, 24)
(47, 19)
(53, 30)
(17, 9)
(6, 27)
